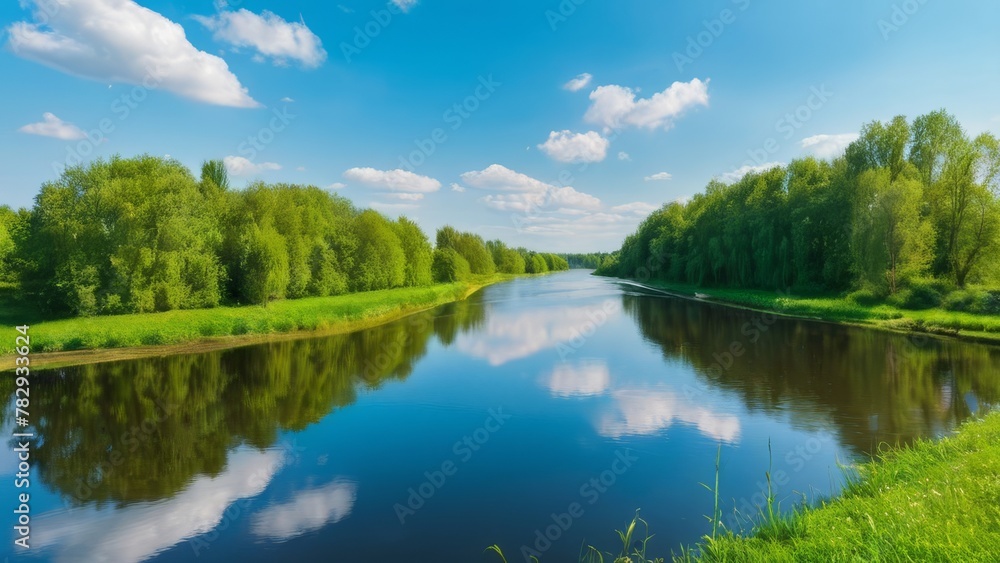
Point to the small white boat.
(702, 296)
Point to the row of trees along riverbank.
(134, 235)
(910, 213)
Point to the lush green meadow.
(323, 314)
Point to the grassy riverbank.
(934, 501)
(53, 342)
(843, 310)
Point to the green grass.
(933, 501)
(841, 309)
(176, 327)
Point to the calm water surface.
(554, 406)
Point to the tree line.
(134, 235)
(590, 261)
(910, 213)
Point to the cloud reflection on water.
(642, 412)
(509, 336)
(138, 531)
(309, 510)
(587, 378)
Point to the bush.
(976, 301)
(920, 295)
(449, 266)
(864, 297)
(991, 303)
(963, 300)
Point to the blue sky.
(360, 97)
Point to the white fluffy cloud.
(616, 107)
(579, 82)
(52, 126)
(457, 188)
(541, 209)
(405, 5)
(336, 186)
(568, 198)
(566, 146)
(624, 156)
(739, 173)
(121, 41)
(239, 166)
(501, 178)
(393, 180)
(268, 34)
(524, 194)
(828, 146)
(659, 177)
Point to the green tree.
(7, 219)
(449, 266)
(891, 239)
(470, 246)
(264, 262)
(880, 146)
(536, 264)
(214, 176)
(507, 260)
(379, 262)
(935, 137)
(123, 235)
(417, 250)
(965, 205)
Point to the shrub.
(864, 297)
(991, 303)
(964, 300)
(920, 295)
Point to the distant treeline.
(590, 261)
(132, 235)
(910, 212)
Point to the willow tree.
(880, 145)
(891, 240)
(934, 138)
(965, 205)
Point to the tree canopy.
(134, 235)
(908, 205)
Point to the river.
(539, 414)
